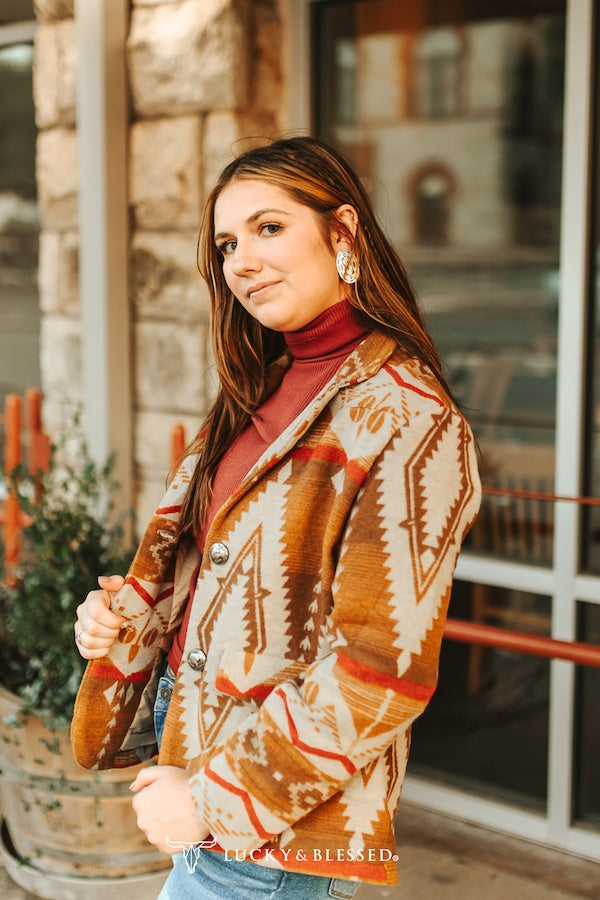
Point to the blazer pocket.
(253, 676)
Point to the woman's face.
(275, 259)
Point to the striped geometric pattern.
(322, 629)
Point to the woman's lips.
(259, 289)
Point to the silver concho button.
(219, 553)
(196, 659)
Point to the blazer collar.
(364, 362)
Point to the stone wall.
(204, 75)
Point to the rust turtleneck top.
(317, 352)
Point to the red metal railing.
(12, 519)
(521, 642)
(177, 443)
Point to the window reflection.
(19, 309)
(486, 728)
(590, 549)
(437, 54)
(587, 728)
(432, 206)
(457, 128)
(346, 64)
(587, 733)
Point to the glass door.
(454, 116)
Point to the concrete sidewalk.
(442, 859)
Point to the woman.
(297, 574)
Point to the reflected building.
(457, 128)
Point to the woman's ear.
(349, 217)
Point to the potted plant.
(65, 831)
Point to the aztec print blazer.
(316, 625)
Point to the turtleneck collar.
(327, 336)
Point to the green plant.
(73, 537)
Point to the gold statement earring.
(347, 265)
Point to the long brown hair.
(318, 177)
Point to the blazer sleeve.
(390, 598)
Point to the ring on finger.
(78, 636)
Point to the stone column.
(205, 79)
(204, 75)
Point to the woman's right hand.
(97, 626)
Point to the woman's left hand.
(165, 810)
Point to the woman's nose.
(245, 259)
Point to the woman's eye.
(227, 247)
(270, 228)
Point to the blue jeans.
(217, 877)
(166, 684)
(209, 875)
